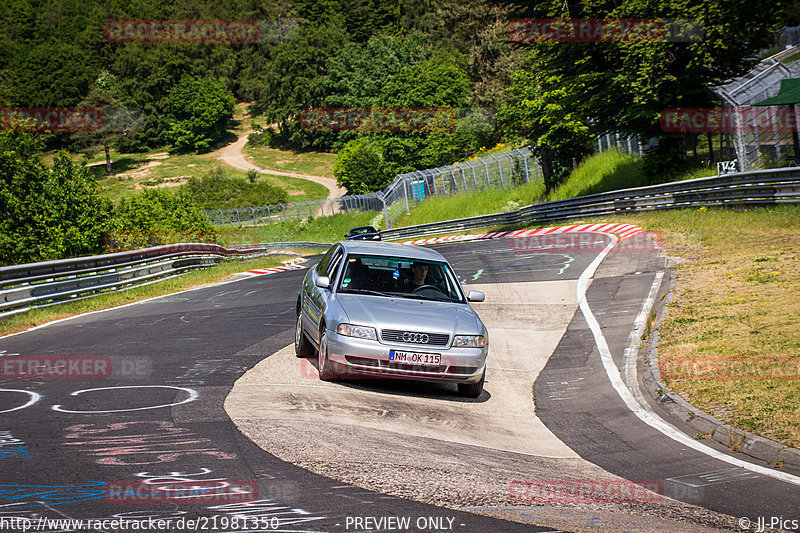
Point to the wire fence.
(497, 171)
(755, 138)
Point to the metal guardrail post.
(486, 169)
(463, 175)
(511, 167)
(525, 162)
(499, 169)
(386, 214)
(405, 193)
(474, 178)
(252, 210)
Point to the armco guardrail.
(41, 284)
(747, 189)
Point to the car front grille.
(415, 337)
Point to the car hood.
(410, 314)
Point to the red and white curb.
(288, 264)
(622, 231)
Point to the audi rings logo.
(417, 338)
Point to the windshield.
(400, 277)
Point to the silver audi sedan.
(376, 309)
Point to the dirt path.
(232, 155)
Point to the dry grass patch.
(730, 341)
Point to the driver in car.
(419, 273)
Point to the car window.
(330, 271)
(400, 277)
(322, 267)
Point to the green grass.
(700, 172)
(301, 162)
(608, 171)
(325, 229)
(137, 171)
(299, 190)
(196, 278)
(470, 204)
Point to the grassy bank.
(325, 229)
(607, 171)
(197, 278)
(730, 341)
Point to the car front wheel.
(472, 390)
(302, 347)
(324, 366)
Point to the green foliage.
(544, 110)
(155, 210)
(46, 213)
(199, 112)
(216, 191)
(321, 229)
(622, 86)
(360, 167)
(292, 81)
(118, 120)
(440, 82)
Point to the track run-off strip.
(636, 406)
(621, 232)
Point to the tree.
(292, 81)
(622, 86)
(360, 167)
(118, 120)
(200, 110)
(46, 213)
(439, 84)
(543, 109)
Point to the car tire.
(326, 373)
(302, 346)
(472, 390)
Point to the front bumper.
(352, 357)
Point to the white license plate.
(415, 358)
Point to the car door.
(317, 297)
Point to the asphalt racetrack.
(201, 389)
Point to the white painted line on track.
(642, 411)
(638, 329)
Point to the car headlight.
(359, 332)
(469, 341)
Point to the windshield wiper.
(431, 298)
(366, 291)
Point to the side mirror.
(323, 282)
(476, 296)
